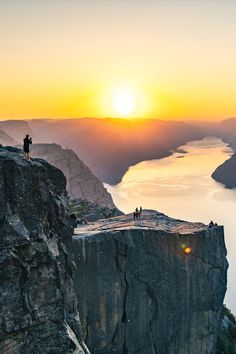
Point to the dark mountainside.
(226, 173)
(140, 294)
(81, 182)
(38, 311)
(16, 129)
(226, 343)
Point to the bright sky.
(160, 59)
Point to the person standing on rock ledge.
(27, 141)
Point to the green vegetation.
(226, 343)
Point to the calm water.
(181, 186)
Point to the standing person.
(27, 141)
(140, 210)
(134, 214)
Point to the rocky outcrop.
(226, 173)
(84, 210)
(81, 182)
(38, 310)
(141, 294)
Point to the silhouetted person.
(134, 214)
(140, 210)
(211, 224)
(27, 141)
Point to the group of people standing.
(137, 213)
(212, 224)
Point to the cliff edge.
(38, 309)
(141, 294)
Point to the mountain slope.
(17, 129)
(6, 139)
(81, 183)
(226, 173)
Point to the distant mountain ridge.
(110, 146)
(16, 129)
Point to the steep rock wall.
(81, 182)
(140, 294)
(38, 309)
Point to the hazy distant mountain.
(226, 130)
(110, 146)
(6, 139)
(17, 129)
(81, 183)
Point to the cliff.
(38, 310)
(140, 294)
(81, 182)
(226, 173)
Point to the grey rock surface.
(226, 173)
(83, 209)
(38, 309)
(140, 294)
(81, 182)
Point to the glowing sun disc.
(123, 102)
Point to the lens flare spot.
(187, 250)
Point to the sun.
(123, 102)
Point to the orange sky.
(66, 58)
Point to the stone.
(139, 293)
(38, 307)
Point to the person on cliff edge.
(27, 141)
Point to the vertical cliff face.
(38, 310)
(81, 182)
(140, 294)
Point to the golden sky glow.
(67, 58)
